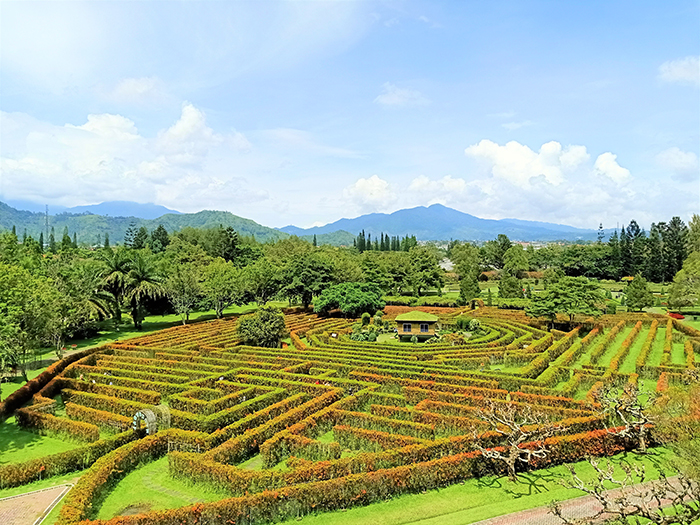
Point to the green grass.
(476, 499)
(677, 354)
(657, 347)
(150, 487)
(629, 365)
(18, 445)
(16, 382)
(614, 347)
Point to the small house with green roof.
(421, 324)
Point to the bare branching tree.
(523, 430)
(633, 499)
(629, 414)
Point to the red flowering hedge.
(675, 315)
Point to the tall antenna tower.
(46, 237)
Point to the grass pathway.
(475, 500)
(150, 487)
(629, 365)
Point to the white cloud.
(606, 165)
(519, 164)
(187, 165)
(682, 70)
(393, 95)
(682, 163)
(511, 126)
(110, 126)
(138, 91)
(370, 194)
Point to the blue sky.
(306, 112)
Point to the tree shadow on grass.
(14, 439)
(530, 483)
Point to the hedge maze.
(335, 423)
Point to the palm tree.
(117, 265)
(142, 282)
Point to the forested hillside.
(91, 229)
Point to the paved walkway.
(26, 509)
(578, 508)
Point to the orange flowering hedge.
(305, 498)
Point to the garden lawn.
(614, 347)
(150, 487)
(18, 445)
(15, 383)
(629, 365)
(678, 354)
(476, 499)
(657, 347)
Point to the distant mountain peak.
(440, 222)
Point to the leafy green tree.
(159, 239)
(106, 245)
(570, 296)
(374, 269)
(66, 242)
(627, 266)
(52, 241)
(424, 271)
(638, 294)
(674, 236)
(465, 258)
(468, 287)
(692, 240)
(685, 290)
(222, 286)
(307, 277)
(27, 307)
(494, 251)
(142, 282)
(183, 290)
(510, 287)
(638, 240)
(116, 266)
(262, 280)
(264, 328)
(398, 269)
(551, 276)
(140, 239)
(352, 299)
(515, 261)
(654, 269)
(489, 298)
(41, 241)
(615, 265)
(130, 235)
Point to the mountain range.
(436, 222)
(111, 208)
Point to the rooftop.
(417, 316)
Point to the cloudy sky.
(306, 112)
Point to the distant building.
(420, 324)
